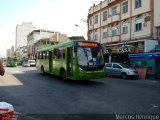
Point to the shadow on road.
(39, 77)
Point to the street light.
(85, 21)
(81, 29)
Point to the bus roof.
(71, 42)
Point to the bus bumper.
(86, 75)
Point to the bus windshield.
(89, 56)
(11, 60)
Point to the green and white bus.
(11, 62)
(77, 60)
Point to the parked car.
(120, 70)
(25, 64)
(32, 62)
(29, 63)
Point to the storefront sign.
(124, 49)
(144, 55)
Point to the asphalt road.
(33, 94)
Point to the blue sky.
(56, 15)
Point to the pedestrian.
(2, 71)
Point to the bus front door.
(70, 62)
(50, 61)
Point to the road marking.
(154, 106)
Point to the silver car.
(120, 70)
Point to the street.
(34, 94)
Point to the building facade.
(38, 37)
(125, 26)
(8, 53)
(21, 34)
(54, 39)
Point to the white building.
(21, 34)
(135, 23)
(35, 36)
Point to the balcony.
(114, 18)
(109, 20)
(115, 38)
(104, 4)
(91, 27)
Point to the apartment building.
(125, 26)
(10, 52)
(38, 38)
(22, 30)
(54, 39)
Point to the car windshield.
(89, 56)
(124, 65)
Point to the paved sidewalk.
(8, 79)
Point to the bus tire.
(42, 70)
(63, 74)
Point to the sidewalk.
(9, 80)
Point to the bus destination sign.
(87, 44)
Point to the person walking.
(2, 71)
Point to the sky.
(55, 15)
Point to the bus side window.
(47, 55)
(63, 51)
(39, 55)
(55, 53)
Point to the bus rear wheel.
(63, 74)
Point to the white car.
(26, 64)
(29, 63)
(32, 62)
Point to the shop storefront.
(119, 52)
(150, 62)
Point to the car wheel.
(123, 75)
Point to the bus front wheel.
(63, 74)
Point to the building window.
(138, 3)
(114, 31)
(96, 19)
(125, 7)
(125, 29)
(90, 21)
(96, 35)
(138, 25)
(114, 11)
(104, 34)
(105, 16)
